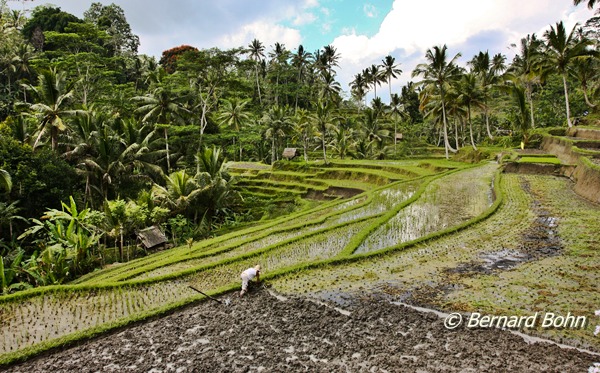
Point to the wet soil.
(266, 332)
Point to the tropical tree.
(300, 60)
(304, 129)
(359, 87)
(526, 69)
(488, 71)
(390, 70)
(5, 180)
(590, 3)
(587, 71)
(470, 94)
(396, 110)
(234, 114)
(324, 122)
(279, 56)
(9, 212)
(163, 107)
(374, 77)
(257, 52)
(561, 51)
(278, 123)
(51, 95)
(438, 74)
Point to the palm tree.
(278, 124)
(234, 115)
(586, 70)
(330, 58)
(397, 111)
(374, 77)
(359, 87)
(180, 192)
(163, 107)
(390, 70)
(324, 122)
(590, 3)
(52, 95)
(562, 50)
(279, 57)
(373, 128)
(470, 94)
(488, 72)
(300, 59)
(526, 70)
(304, 129)
(438, 74)
(330, 89)
(5, 180)
(257, 53)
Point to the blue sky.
(363, 32)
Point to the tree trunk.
(471, 127)
(530, 99)
(258, 84)
(569, 123)
(324, 148)
(446, 142)
(587, 99)
(273, 150)
(456, 133)
(305, 149)
(487, 121)
(167, 150)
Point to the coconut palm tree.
(300, 60)
(324, 121)
(52, 95)
(526, 69)
(590, 3)
(561, 51)
(304, 129)
(438, 74)
(396, 110)
(278, 123)
(162, 107)
(330, 58)
(390, 70)
(234, 115)
(257, 53)
(586, 70)
(359, 87)
(470, 94)
(374, 77)
(488, 72)
(330, 88)
(5, 180)
(279, 57)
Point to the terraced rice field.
(416, 233)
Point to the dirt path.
(264, 333)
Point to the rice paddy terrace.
(444, 234)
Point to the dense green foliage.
(88, 126)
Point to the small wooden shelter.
(290, 153)
(152, 238)
(398, 136)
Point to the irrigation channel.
(403, 240)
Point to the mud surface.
(262, 332)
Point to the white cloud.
(370, 10)
(267, 32)
(411, 27)
(304, 19)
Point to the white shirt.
(250, 273)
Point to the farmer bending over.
(248, 275)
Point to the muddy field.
(265, 332)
